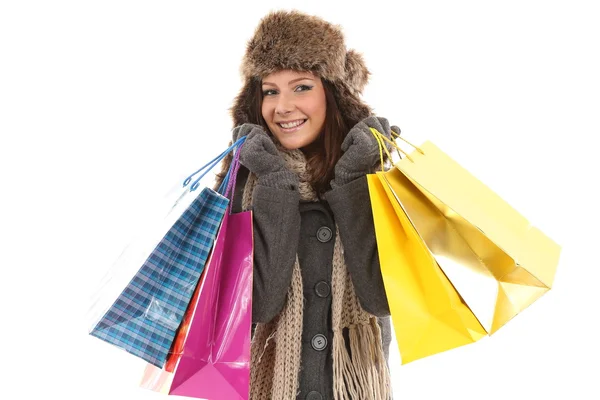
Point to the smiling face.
(293, 106)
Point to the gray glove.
(361, 150)
(262, 158)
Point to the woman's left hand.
(361, 149)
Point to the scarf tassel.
(364, 373)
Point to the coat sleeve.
(351, 206)
(276, 218)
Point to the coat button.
(322, 289)
(324, 234)
(319, 342)
(314, 396)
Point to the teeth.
(291, 124)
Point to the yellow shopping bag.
(428, 314)
(494, 258)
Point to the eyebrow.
(290, 82)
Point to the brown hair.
(323, 154)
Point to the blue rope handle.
(229, 180)
(224, 183)
(223, 188)
(210, 165)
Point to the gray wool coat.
(285, 226)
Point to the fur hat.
(301, 42)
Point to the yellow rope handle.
(380, 145)
(380, 136)
(397, 136)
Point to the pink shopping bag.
(214, 362)
(216, 356)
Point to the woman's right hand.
(262, 158)
(244, 130)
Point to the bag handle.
(210, 165)
(233, 170)
(381, 137)
(227, 187)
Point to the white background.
(106, 106)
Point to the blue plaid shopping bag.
(144, 318)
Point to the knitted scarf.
(276, 346)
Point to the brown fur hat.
(301, 42)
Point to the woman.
(322, 319)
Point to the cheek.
(265, 111)
(316, 110)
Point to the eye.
(303, 88)
(269, 92)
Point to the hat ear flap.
(243, 108)
(357, 74)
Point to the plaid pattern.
(145, 317)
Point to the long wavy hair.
(323, 154)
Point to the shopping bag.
(497, 261)
(214, 358)
(427, 313)
(161, 379)
(146, 314)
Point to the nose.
(285, 105)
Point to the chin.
(291, 146)
(291, 143)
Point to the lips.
(291, 126)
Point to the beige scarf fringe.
(276, 346)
